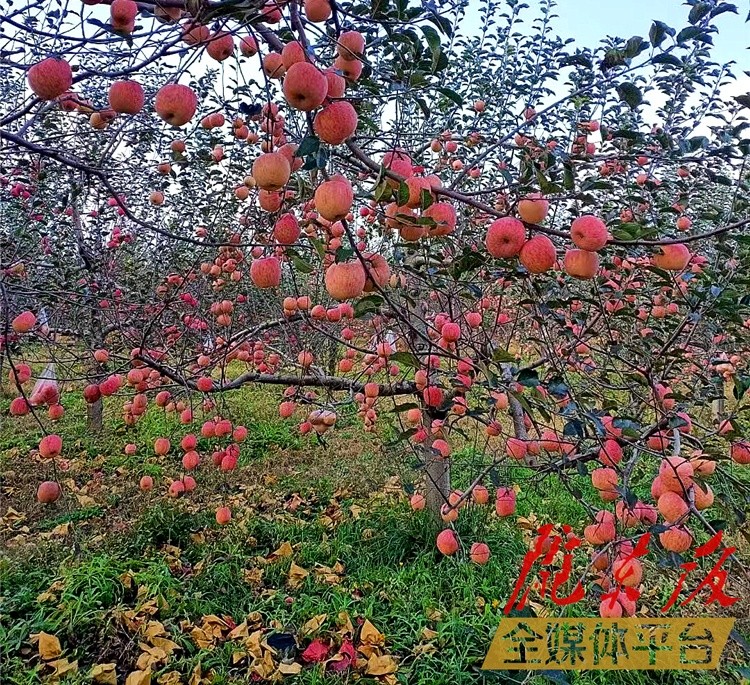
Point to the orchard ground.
(318, 544)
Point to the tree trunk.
(95, 416)
(437, 480)
(717, 406)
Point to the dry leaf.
(313, 625)
(63, 666)
(346, 627)
(428, 634)
(170, 678)
(297, 575)
(105, 674)
(61, 531)
(154, 629)
(290, 669)
(164, 644)
(253, 576)
(381, 665)
(285, 550)
(48, 645)
(138, 678)
(426, 648)
(434, 615)
(239, 631)
(370, 635)
(127, 579)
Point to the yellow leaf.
(313, 625)
(170, 678)
(164, 644)
(154, 629)
(428, 634)
(139, 678)
(127, 579)
(239, 631)
(345, 623)
(285, 550)
(61, 531)
(253, 576)
(49, 646)
(63, 666)
(371, 635)
(105, 674)
(290, 669)
(297, 575)
(381, 665)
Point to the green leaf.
(658, 32)
(612, 58)
(529, 378)
(425, 199)
(403, 194)
(424, 107)
(569, 182)
(301, 265)
(635, 46)
(502, 356)
(319, 246)
(688, 34)
(699, 11)
(367, 305)
(406, 359)
(405, 406)
(433, 40)
(724, 7)
(451, 95)
(309, 146)
(630, 93)
(744, 100)
(382, 191)
(546, 186)
(443, 23)
(666, 58)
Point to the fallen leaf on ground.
(344, 658)
(62, 667)
(313, 625)
(370, 634)
(285, 550)
(138, 678)
(48, 645)
(105, 674)
(170, 678)
(316, 651)
(297, 575)
(381, 665)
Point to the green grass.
(131, 548)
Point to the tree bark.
(437, 480)
(95, 416)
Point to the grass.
(108, 557)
